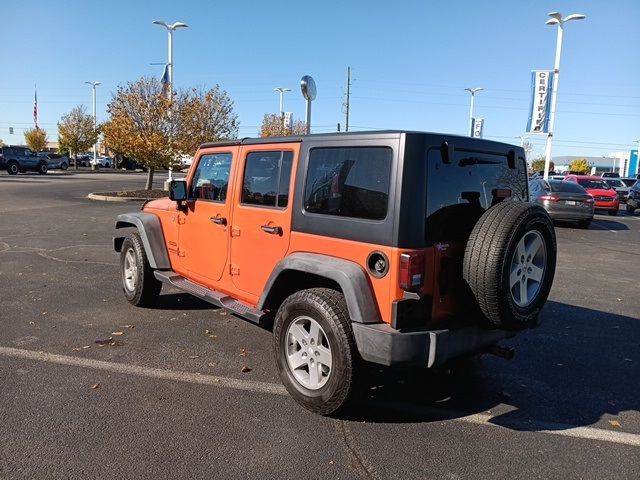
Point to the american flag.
(35, 108)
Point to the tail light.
(551, 198)
(411, 270)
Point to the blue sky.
(410, 62)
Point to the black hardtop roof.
(361, 135)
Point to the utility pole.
(346, 123)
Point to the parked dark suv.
(21, 159)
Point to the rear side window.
(211, 178)
(459, 192)
(349, 182)
(266, 179)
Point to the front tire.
(315, 350)
(64, 166)
(584, 224)
(139, 285)
(613, 213)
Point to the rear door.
(262, 213)
(204, 233)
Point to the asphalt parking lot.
(166, 397)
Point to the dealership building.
(624, 163)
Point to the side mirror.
(178, 190)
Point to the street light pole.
(556, 19)
(472, 91)
(170, 29)
(95, 122)
(281, 91)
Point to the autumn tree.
(204, 116)
(273, 126)
(36, 139)
(1, 143)
(76, 132)
(538, 165)
(155, 130)
(580, 166)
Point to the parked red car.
(604, 196)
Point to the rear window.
(596, 184)
(349, 182)
(458, 193)
(568, 187)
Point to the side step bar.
(216, 298)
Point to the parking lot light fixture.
(281, 91)
(170, 29)
(472, 91)
(95, 122)
(556, 19)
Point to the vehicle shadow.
(579, 366)
(599, 223)
(181, 301)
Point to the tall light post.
(556, 19)
(472, 91)
(281, 91)
(95, 123)
(170, 29)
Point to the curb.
(104, 198)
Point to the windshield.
(614, 182)
(595, 184)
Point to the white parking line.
(588, 433)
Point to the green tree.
(36, 139)
(273, 126)
(146, 125)
(580, 166)
(76, 132)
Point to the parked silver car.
(55, 160)
(563, 200)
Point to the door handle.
(272, 230)
(219, 220)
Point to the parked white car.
(103, 162)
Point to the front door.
(204, 235)
(262, 213)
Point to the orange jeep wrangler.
(390, 247)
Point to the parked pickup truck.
(390, 247)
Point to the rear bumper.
(382, 344)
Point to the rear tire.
(509, 263)
(43, 168)
(13, 168)
(140, 286)
(315, 350)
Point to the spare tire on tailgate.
(509, 263)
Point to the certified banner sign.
(542, 84)
(478, 125)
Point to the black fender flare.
(150, 230)
(351, 277)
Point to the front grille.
(603, 199)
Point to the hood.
(601, 192)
